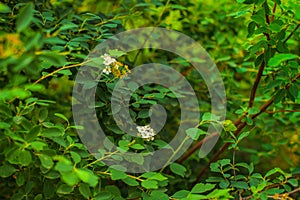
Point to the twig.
(294, 191)
(273, 11)
(267, 16)
(263, 108)
(157, 23)
(282, 111)
(256, 82)
(291, 34)
(195, 147)
(216, 155)
(174, 154)
(289, 193)
(63, 68)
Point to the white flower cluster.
(108, 60)
(146, 132)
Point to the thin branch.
(273, 11)
(216, 155)
(256, 82)
(240, 127)
(156, 24)
(63, 68)
(292, 33)
(267, 16)
(281, 111)
(289, 193)
(294, 191)
(195, 147)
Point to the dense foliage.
(255, 45)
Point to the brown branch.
(256, 82)
(217, 154)
(195, 147)
(273, 11)
(291, 34)
(63, 68)
(267, 16)
(289, 193)
(281, 111)
(294, 191)
(262, 109)
(238, 121)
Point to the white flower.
(108, 60)
(107, 70)
(146, 132)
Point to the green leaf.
(20, 180)
(224, 162)
(38, 197)
(84, 189)
(273, 191)
(279, 58)
(61, 116)
(206, 116)
(130, 181)
(87, 176)
(195, 133)
(113, 190)
(117, 175)
(181, 194)
(293, 182)
(240, 185)
(116, 53)
(258, 18)
(133, 85)
(217, 194)
(52, 132)
(4, 125)
(229, 126)
(64, 189)
(253, 111)
(224, 184)
(214, 167)
(104, 196)
(243, 135)
(7, 170)
(273, 171)
(68, 26)
(70, 178)
(75, 156)
(63, 167)
(178, 169)
(294, 90)
(279, 96)
(297, 11)
(156, 194)
(38, 146)
(25, 157)
(275, 27)
(201, 188)
(46, 161)
(145, 113)
(4, 8)
(33, 133)
(25, 17)
(34, 87)
(137, 146)
(154, 176)
(66, 72)
(150, 184)
(251, 168)
(138, 158)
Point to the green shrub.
(255, 44)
